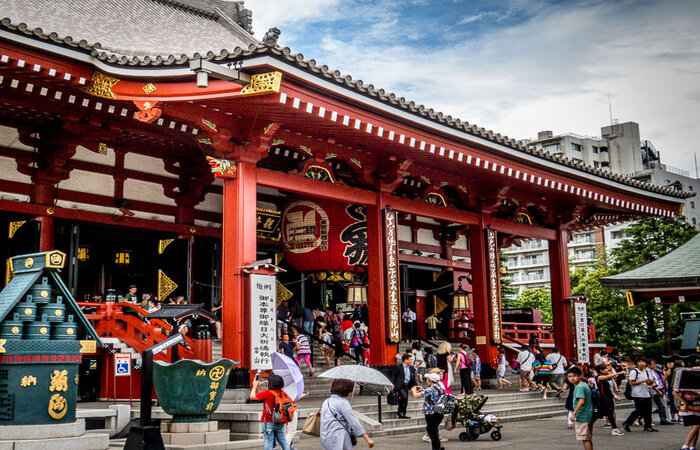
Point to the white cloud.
(551, 71)
(469, 19)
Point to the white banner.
(581, 325)
(263, 320)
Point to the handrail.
(379, 399)
(427, 341)
(136, 308)
(313, 338)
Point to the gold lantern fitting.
(460, 297)
(357, 294)
(122, 258)
(83, 254)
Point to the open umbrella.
(285, 367)
(358, 374)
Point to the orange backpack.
(283, 409)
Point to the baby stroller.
(468, 414)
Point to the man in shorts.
(583, 407)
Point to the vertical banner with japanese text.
(263, 320)
(393, 287)
(581, 326)
(494, 285)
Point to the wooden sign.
(494, 286)
(393, 286)
(263, 320)
(581, 326)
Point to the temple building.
(164, 146)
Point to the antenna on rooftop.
(610, 110)
(695, 154)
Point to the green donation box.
(42, 335)
(190, 390)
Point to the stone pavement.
(535, 435)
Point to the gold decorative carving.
(165, 285)
(163, 244)
(262, 83)
(102, 148)
(88, 346)
(2, 345)
(9, 271)
(55, 259)
(28, 380)
(28, 263)
(50, 211)
(57, 407)
(59, 381)
(14, 226)
(148, 88)
(101, 86)
(282, 293)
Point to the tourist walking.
(432, 419)
(659, 394)
(444, 363)
(418, 361)
(542, 369)
(582, 414)
(403, 378)
(327, 350)
(358, 338)
(432, 323)
(339, 426)
(303, 348)
(271, 431)
(308, 319)
(338, 348)
(476, 367)
(605, 380)
(558, 373)
(464, 365)
(643, 383)
(502, 368)
(689, 403)
(409, 320)
(525, 360)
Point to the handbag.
(312, 424)
(392, 398)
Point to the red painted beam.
(439, 262)
(307, 186)
(519, 229)
(109, 219)
(426, 210)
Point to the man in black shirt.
(286, 346)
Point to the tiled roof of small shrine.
(678, 269)
(234, 50)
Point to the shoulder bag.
(353, 438)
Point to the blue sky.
(514, 66)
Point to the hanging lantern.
(460, 297)
(357, 295)
(83, 254)
(122, 258)
(324, 236)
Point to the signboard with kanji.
(581, 326)
(393, 286)
(263, 318)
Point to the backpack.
(600, 406)
(431, 361)
(445, 404)
(283, 409)
(467, 361)
(628, 388)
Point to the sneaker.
(425, 438)
(524, 390)
(617, 433)
(570, 427)
(626, 428)
(607, 425)
(545, 395)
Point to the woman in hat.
(431, 394)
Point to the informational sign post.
(122, 364)
(393, 286)
(581, 324)
(263, 320)
(494, 286)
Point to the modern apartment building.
(618, 149)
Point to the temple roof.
(138, 41)
(134, 30)
(679, 269)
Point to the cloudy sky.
(516, 66)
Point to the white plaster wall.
(404, 233)
(8, 171)
(147, 192)
(146, 164)
(212, 202)
(426, 237)
(91, 182)
(83, 154)
(10, 138)
(461, 243)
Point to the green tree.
(507, 291)
(649, 239)
(540, 299)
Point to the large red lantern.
(322, 235)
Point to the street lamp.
(460, 297)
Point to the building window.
(575, 147)
(552, 148)
(620, 234)
(604, 164)
(595, 149)
(603, 149)
(692, 205)
(694, 221)
(596, 164)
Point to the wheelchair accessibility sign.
(122, 364)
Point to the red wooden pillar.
(44, 193)
(238, 249)
(381, 352)
(480, 293)
(561, 289)
(421, 313)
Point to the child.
(583, 408)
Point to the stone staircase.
(121, 347)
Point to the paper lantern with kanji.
(322, 235)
